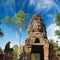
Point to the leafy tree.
(19, 22)
(15, 52)
(56, 48)
(58, 19)
(58, 32)
(58, 24)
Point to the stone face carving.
(37, 25)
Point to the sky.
(46, 8)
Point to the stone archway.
(37, 52)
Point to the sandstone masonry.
(37, 41)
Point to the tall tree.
(19, 22)
(58, 24)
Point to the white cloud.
(43, 5)
(51, 32)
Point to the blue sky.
(46, 8)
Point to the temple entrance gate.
(37, 52)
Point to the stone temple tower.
(36, 45)
(37, 25)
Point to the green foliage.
(20, 20)
(58, 53)
(56, 48)
(57, 32)
(58, 19)
(7, 19)
(15, 52)
(58, 24)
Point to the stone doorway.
(37, 52)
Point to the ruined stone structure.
(8, 52)
(37, 46)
